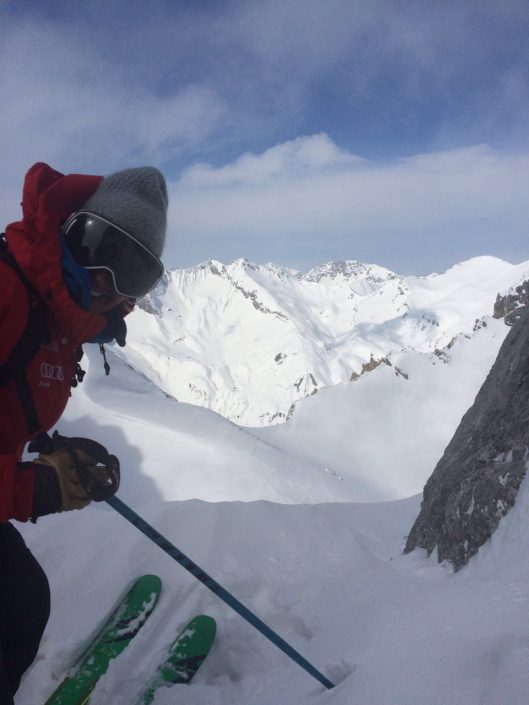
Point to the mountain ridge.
(249, 341)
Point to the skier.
(70, 271)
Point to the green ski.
(120, 628)
(185, 656)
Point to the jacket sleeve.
(16, 482)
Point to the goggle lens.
(96, 243)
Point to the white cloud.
(64, 104)
(187, 83)
(462, 202)
(52, 94)
(303, 156)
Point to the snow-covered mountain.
(249, 341)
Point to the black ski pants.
(24, 610)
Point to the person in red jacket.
(86, 248)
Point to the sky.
(289, 131)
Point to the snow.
(384, 433)
(249, 341)
(304, 523)
(134, 624)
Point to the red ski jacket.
(48, 199)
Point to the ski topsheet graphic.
(120, 628)
(184, 658)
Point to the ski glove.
(70, 473)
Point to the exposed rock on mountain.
(369, 367)
(476, 481)
(508, 306)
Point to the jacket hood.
(48, 198)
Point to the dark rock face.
(509, 305)
(476, 481)
(370, 366)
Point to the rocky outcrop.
(248, 294)
(372, 364)
(369, 366)
(509, 305)
(476, 481)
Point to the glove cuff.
(47, 497)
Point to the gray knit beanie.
(136, 201)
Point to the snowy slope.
(375, 439)
(385, 432)
(273, 514)
(175, 451)
(248, 341)
(388, 629)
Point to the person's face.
(104, 296)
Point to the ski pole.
(208, 581)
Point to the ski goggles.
(96, 243)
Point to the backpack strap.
(35, 334)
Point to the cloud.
(217, 94)
(100, 83)
(301, 156)
(65, 104)
(54, 94)
(416, 214)
(370, 69)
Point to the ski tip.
(205, 617)
(153, 581)
(205, 625)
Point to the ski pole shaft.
(208, 581)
